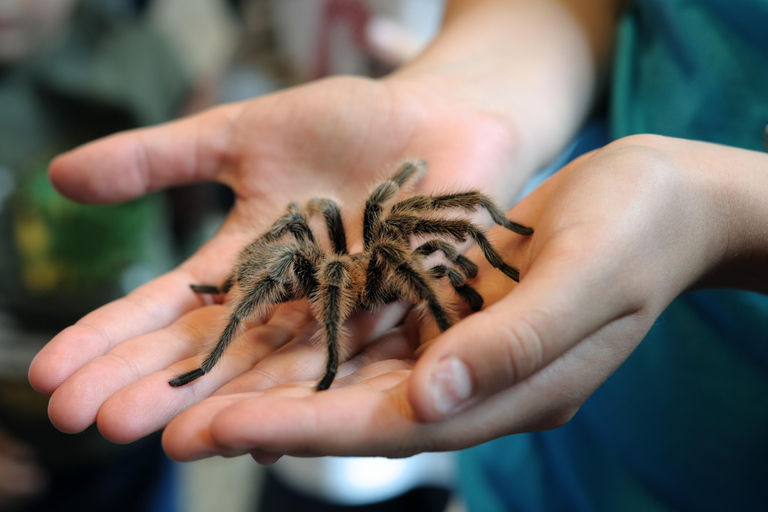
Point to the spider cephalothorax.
(286, 263)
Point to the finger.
(298, 360)
(291, 419)
(187, 437)
(304, 358)
(134, 163)
(569, 292)
(150, 403)
(391, 352)
(74, 405)
(150, 307)
(374, 418)
(555, 306)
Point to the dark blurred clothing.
(60, 260)
(681, 425)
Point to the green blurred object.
(75, 247)
(70, 258)
(60, 260)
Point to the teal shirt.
(683, 424)
(696, 69)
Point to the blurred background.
(75, 70)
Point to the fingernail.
(451, 385)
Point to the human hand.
(333, 136)
(618, 234)
(476, 104)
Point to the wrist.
(534, 65)
(723, 209)
(742, 181)
(500, 149)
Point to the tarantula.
(286, 263)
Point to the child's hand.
(336, 137)
(619, 234)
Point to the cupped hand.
(334, 137)
(618, 234)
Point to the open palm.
(612, 248)
(334, 137)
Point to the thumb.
(552, 309)
(133, 163)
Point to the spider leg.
(419, 284)
(467, 266)
(374, 206)
(378, 289)
(473, 299)
(267, 291)
(208, 289)
(389, 259)
(333, 222)
(268, 288)
(468, 201)
(491, 255)
(374, 293)
(293, 222)
(458, 230)
(333, 302)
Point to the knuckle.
(126, 363)
(522, 349)
(88, 330)
(142, 163)
(148, 306)
(261, 379)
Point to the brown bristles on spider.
(286, 263)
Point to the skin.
(678, 215)
(624, 230)
(333, 136)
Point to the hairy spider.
(286, 263)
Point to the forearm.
(535, 64)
